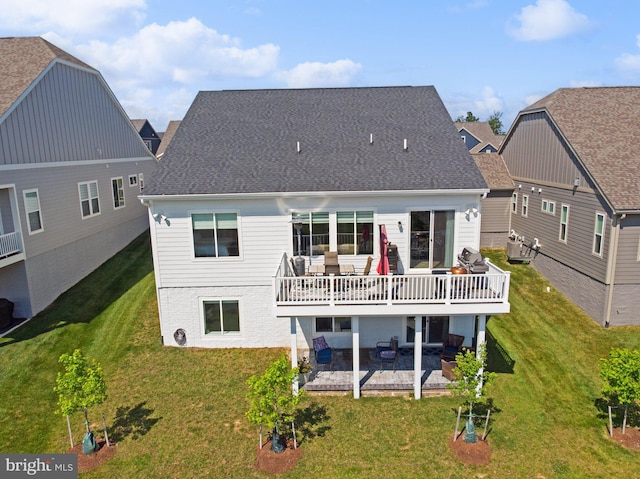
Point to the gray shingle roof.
(246, 142)
(594, 121)
(22, 59)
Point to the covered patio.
(377, 379)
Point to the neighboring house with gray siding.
(496, 206)
(71, 168)
(148, 134)
(246, 169)
(576, 171)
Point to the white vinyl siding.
(32, 210)
(89, 200)
(598, 234)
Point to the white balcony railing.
(10, 244)
(490, 287)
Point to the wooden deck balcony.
(427, 294)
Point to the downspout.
(611, 266)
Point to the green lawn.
(180, 412)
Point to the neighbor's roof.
(595, 123)
(494, 170)
(482, 132)
(246, 142)
(22, 60)
(167, 137)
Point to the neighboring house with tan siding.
(167, 136)
(478, 136)
(577, 175)
(71, 169)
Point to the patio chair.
(387, 352)
(322, 351)
(367, 268)
(331, 264)
(451, 346)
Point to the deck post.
(355, 354)
(480, 340)
(417, 360)
(294, 352)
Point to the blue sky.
(481, 55)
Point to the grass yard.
(179, 413)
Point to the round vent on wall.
(180, 336)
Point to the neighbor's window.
(89, 201)
(548, 207)
(141, 181)
(215, 234)
(432, 236)
(355, 232)
(564, 222)
(333, 324)
(514, 203)
(221, 317)
(598, 234)
(117, 187)
(32, 209)
(525, 205)
(133, 180)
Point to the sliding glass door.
(432, 235)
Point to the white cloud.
(70, 16)
(629, 64)
(482, 104)
(315, 74)
(548, 20)
(583, 83)
(186, 53)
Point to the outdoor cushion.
(320, 343)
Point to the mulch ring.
(476, 453)
(277, 463)
(630, 439)
(86, 462)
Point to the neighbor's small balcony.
(10, 244)
(436, 293)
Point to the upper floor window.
(117, 187)
(32, 209)
(215, 234)
(548, 207)
(598, 234)
(355, 232)
(141, 181)
(133, 180)
(89, 201)
(564, 222)
(525, 205)
(149, 144)
(221, 317)
(514, 203)
(432, 236)
(310, 233)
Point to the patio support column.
(355, 354)
(481, 341)
(294, 351)
(417, 359)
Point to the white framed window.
(215, 234)
(514, 203)
(221, 316)
(89, 200)
(434, 328)
(598, 234)
(141, 181)
(335, 324)
(133, 180)
(33, 211)
(355, 232)
(525, 205)
(117, 188)
(548, 207)
(149, 144)
(564, 223)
